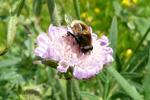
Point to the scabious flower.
(58, 46)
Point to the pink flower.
(58, 46)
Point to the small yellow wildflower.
(83, 15)
(101, 34)
(129, 52)
(1, 48)
(93, 23)
(126, 2)
(29, 1)
(134, 1)
(89, 18)
(97, 10)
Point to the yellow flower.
(126, 2)
(83, 15)
(1, 48)
(134, 1)
(101, 34)
(29, 1)
(97, 10)
(89, 18)
(93, 23)
(129, 52)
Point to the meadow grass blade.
(131, 91)
(76, 6)
(12, 24)
(136, 49)
(146, 84)
(118, 62)
(89, 96)
(113, 35)
(37, 7)
(140, 57)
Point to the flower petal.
(42, 41)
(63, 66)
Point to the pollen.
(129, 52)
(97, 10)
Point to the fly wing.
(68, 19)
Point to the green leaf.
(118, 62)
(117, 8)
(130, 90)
(37, 7)
(130, 75)
(113, 36)
(137, 85)
(138, 59)
(8, 62)
(147, 80)
(7, 76)
(142, 25)
(12, 24)
(121, 95)
(18, 79)
(89, 96)
(4, 18)
(53, 12)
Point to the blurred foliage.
(21, 79)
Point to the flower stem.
(76, 6)
(69, 89)
(76, 90)
(53, 12)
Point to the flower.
(126, 2)
(134, 1)
(60, 47)
(83, 15)
(129, 52)
(97, 10)
(1, 48)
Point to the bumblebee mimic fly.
(81, 33)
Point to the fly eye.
(80, 27)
